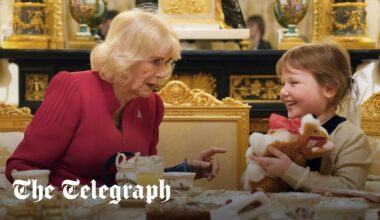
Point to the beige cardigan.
(346, 167)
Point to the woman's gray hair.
(133, 36)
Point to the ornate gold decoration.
(371, 107)
(35, 86)
(255, 88)
(10, 110)
(177, 93)
(322, 19)
(353, 19)
(195, 11)
(348, 30)
(219, 15)
(245, 44)
(55, 23)
(349, 25)
(26, 41)
(186, 7)
(204, 81)
(35, 17)
(370, 115)
(29, 26)
(287, 43)
(13, 118)
(197, 108)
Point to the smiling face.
(302, 94)
(144, 77)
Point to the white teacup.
(42, 176)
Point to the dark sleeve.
(182, 167)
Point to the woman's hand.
(275, 166)
(205, 165)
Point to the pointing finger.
(214, 150)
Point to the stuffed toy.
(301, 139)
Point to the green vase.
(88, 13)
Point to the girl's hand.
(275, 166)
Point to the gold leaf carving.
(370, 115)
(35, 86)
(13, 118)
(322, 19)
(353, 16)
(371, 107)
(204, 81)
(177, 93)
(186, 7)
(255, 88)
(10, 110)
(55, 23)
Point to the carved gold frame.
(185, 105)
(238, 78)
(370, 115)
(13, 118)
(322, 19)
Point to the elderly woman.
(88, 116)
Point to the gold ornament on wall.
(29, 26)
(194, 12)
(13, 118)
(255, 88)
(35, 86)
(10, 110)
(343, 22)
(370, 115)
(55, 23)
(177, 93)
(349, 25)
(204, 81)
(184, 7)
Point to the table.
(190, 201)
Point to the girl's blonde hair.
(133, 36)
(328, 62)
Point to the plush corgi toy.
(301, 140)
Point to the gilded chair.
(370, 117)
(194, 121)
(13, 122)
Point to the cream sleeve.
(346, 167)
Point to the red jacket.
(73, 133)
